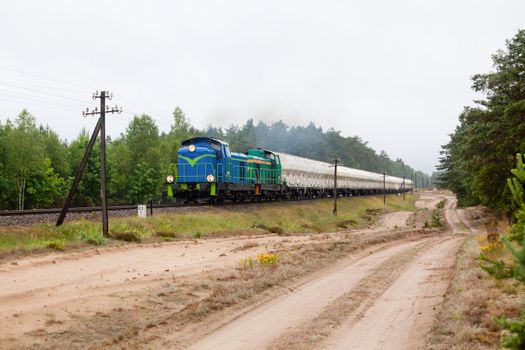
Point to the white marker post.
(142, 211)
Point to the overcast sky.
(395, 73)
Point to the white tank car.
(301, 172)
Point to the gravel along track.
(31, 219)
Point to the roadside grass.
(473, 298)
(435, 220)
(278, 218)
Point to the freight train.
(208, 170)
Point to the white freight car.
(312, 175)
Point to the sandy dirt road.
(401, 316)
(37, 291)
(258, 328)
(386, 300)
(40, 295)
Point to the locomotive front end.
(196, 175)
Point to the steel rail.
(159, 206)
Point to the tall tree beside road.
(4, 179)
(24, 153)
(476, 162)
(88, 191)
(143, 143)
(170, 142)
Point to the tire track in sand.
(402, 315)
(258, 328)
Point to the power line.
(38, 99)
(45, 77)
(10, 100)
(143, 105)
(43, 92)
(48, 87)
(31, 87)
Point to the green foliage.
(516, 328)
(497, 268)
(127, 236)
(92, 236)
(44, 187)
(435, 220)
(88, 191)
(476, 161)
(27, 176)
(143, 170)
(37, 168)
(516, 268)
(56, 245)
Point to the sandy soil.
(257, 329)
(36, 290)
(398, 286)
(404, 313)
(397, 219)
(398, 316)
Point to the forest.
(483, 164)
(478, 159)
(37, 166)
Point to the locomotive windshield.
(215, 146)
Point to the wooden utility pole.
(335, 163)
(101, 126)
(404, 192)
(78, 175)
(384, 188)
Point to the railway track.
(34, 216)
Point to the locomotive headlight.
(169, 178)
(191, 148)
(210, 178)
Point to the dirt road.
(38, 292)
(380, 297)
(385, 300)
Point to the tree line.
(483, 163)
(476, 162)
(37, 167)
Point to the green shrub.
(516, 268)
(57, 245)
(127, 236)
(436, 219)
(94, 238)
(517, 329)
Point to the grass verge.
(280, 218)
(473, 298)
